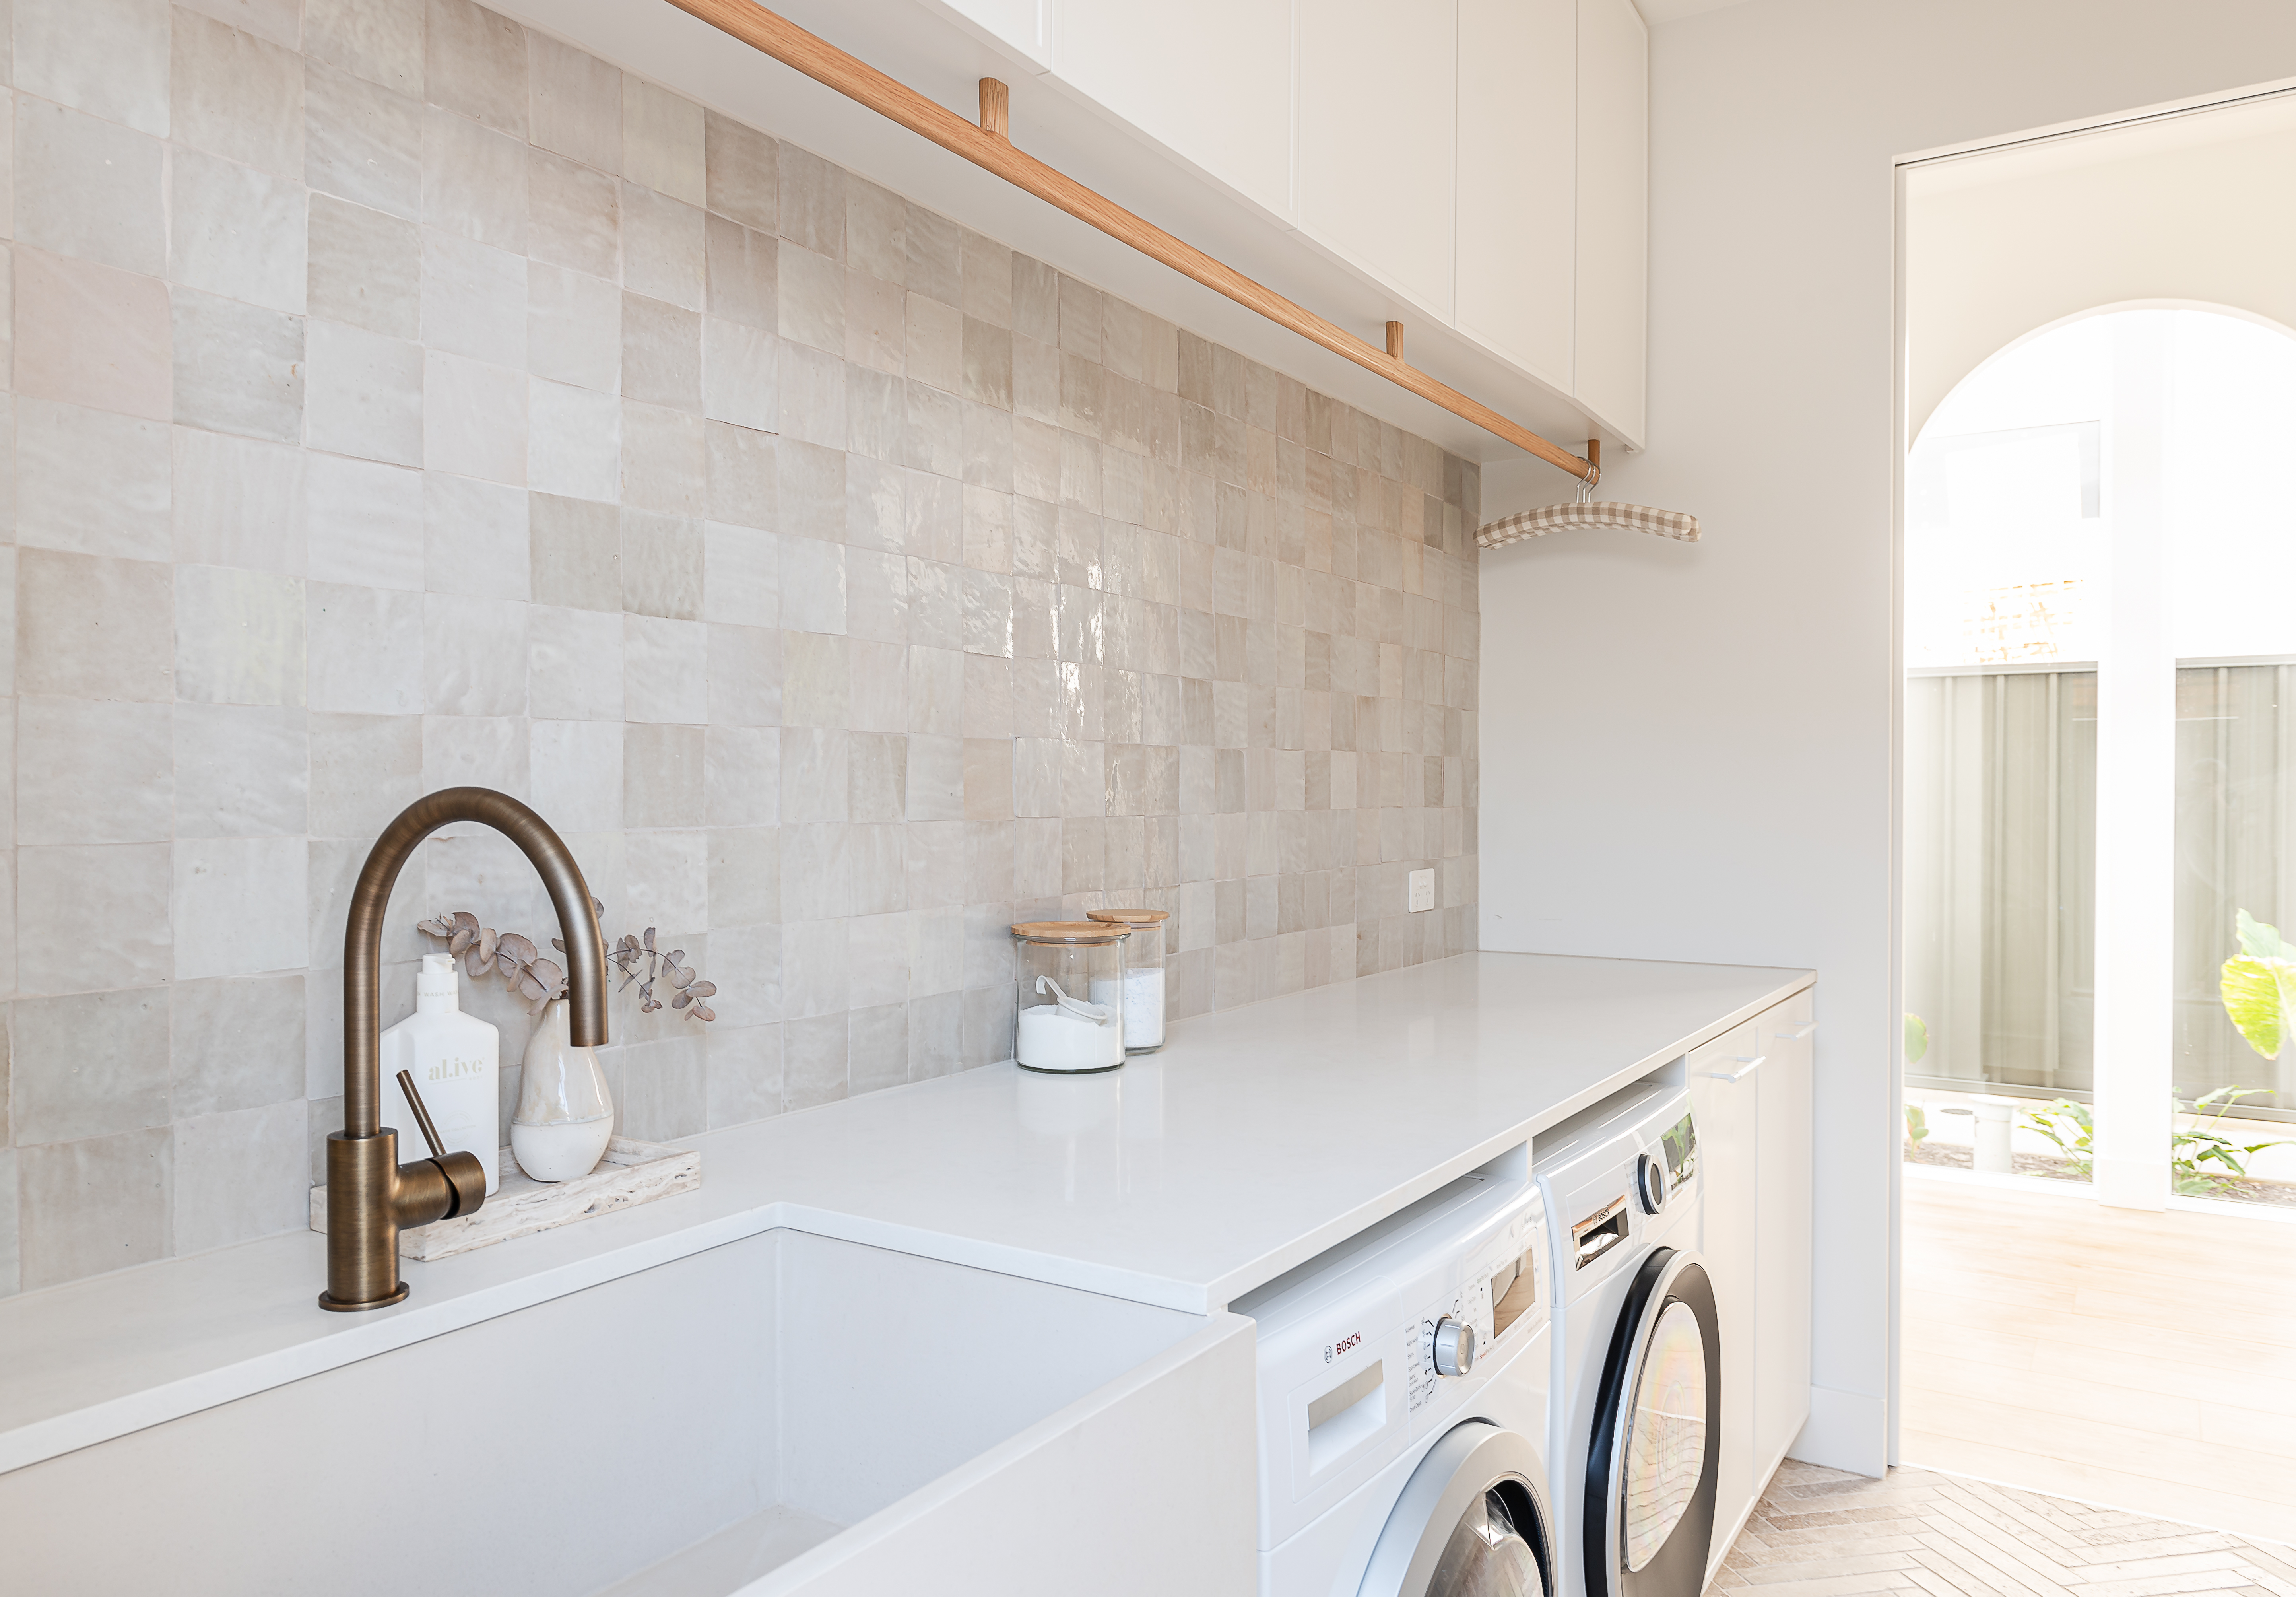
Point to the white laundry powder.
(1144, 1005)
(1051, 1038)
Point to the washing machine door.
(1654, 1458)
(1472, 1522)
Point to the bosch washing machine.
(1635, 1439)
(1403, 1384)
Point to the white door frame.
(1900, 442)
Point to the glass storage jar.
(1143, 975)
(1071, 996)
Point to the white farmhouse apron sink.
(780, 1414)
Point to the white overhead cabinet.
(1483, 162)
(1518, 181)
(1378, 151)
(1024, 24)
(1210, 80)
(1613, 232)
(1750, 1090)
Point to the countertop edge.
(1268, 1266)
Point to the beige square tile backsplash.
(400, 398)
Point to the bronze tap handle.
(422, 1114)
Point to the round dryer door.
(1654, 1458)
(1470, 1522)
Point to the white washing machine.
(1403, 1380)
(1635, 1438)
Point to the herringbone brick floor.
(1824, 1533)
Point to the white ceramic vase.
(565, 1114)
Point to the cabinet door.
(1612, 243)
(1209, 80)
(1378, 138)
(1782, 1278)
(1518, 179)
(1726, 1084)
(1021, 23)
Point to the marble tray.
(632, 1172)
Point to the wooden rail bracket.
(996, 109)
(1395, 341)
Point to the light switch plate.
(1423, 891)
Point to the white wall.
(1998, 245)
(1698, 761)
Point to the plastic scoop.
(1097, 1014)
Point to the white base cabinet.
(1750, 1090)
(1783, 1280)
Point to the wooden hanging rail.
(990, 147)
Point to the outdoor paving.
(1827, 1533)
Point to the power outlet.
(1423, 891)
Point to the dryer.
(1634, 1439)
(1403, 1383)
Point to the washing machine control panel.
(1495, 1285)
(1365, 1347)
(1446, 1328)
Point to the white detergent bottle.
(455, 1059)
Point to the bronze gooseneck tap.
(370, 1195)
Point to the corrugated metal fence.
(2000, 867)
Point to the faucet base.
(328, 1301)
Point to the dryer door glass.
(1488, 1554)
(1666, 1443)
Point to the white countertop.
(1253, 1140)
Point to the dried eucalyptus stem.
(538, 981)
(630, 953)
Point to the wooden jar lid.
(1131, 917)
(1071, 931)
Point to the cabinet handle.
(1798, 1034)
(1733, 1077)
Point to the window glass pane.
(2233, 853)
(2000, 875)
(2232, 573)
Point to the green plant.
(2073, 1130)
(2258, 983)
(2202, 1161)
(2206, 1144)
(1917, 1043)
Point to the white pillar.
(2135, 784)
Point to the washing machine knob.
(1651, 1179)
(1455, 1347)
